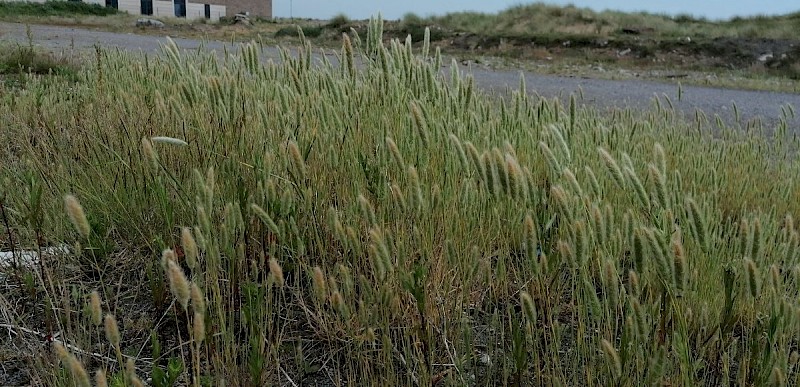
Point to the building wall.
(163, 8)
(133, 7)
(262, 8)
(217, 11)
(195, 11)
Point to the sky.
(394, 9)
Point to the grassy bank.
(552, 20)
(252, 224)
(10, 9)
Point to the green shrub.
(338, 22)
(292, 31)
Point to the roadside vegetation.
(541, 19)
(759, 52)
(53, 8)
(284, 223)
(20, 62)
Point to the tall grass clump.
(250, 223)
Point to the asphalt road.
(603, 94)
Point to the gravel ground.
(604, 94)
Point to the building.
(259, 8)
(187, 9)
(166, 8)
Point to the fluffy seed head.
(147, 148)
(367, 211)
(680, 264)
(97, 311)
(76, 215)
(612, 357)
(178, 284)
(613, 167)
(528, 307)
(130, 370)
(199, 328)
(169, 140)
(75, 367)
(189, 247)
(100, 379)
(751, 277)
(198, 299)
(337, 301)
(112, 331)
(297, 158)
(276, 271)
(320, 286)
(395, 151)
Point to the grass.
(22, 61)
(53, 8)
(253, 224)
(541, 20)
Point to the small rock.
(241, 18)
(765, 57)
(145, 22)
(624, 52)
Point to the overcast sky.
(394, 9)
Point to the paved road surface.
(599, 93)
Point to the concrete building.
(184, 8)
(260, 8)
(189, 10)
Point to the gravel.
(603, 94)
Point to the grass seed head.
(77, 216)
(112, 331)
(96, 309)
(612, 357)
(752, 277)
(318, 281)
(198, 299)
(74, 366)
(395, 151)
(681, 270)
(198, 328)
(297, 159)
(189, 247)
(149, 152)
(612, 167)
(130, 370)
(276, 272)
(100, 379)
(528, 307)
(178, 284)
